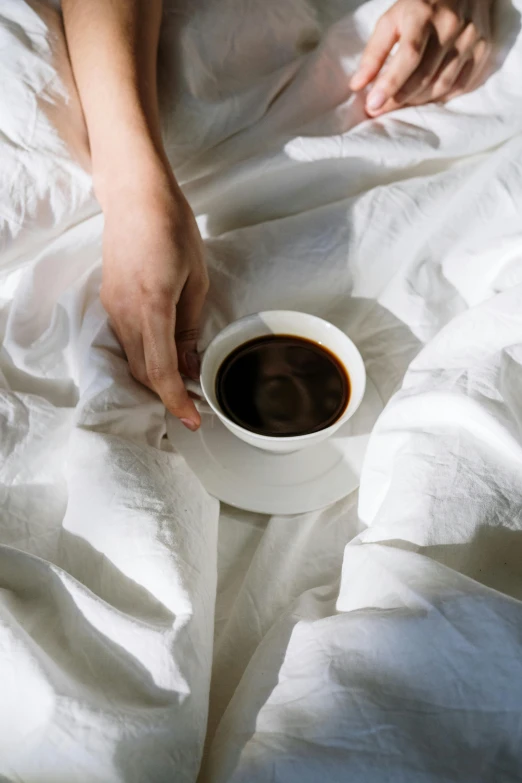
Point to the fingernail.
(375, 100)
(189, 424)
(193, 364)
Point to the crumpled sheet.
(377, 640)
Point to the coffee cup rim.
(353, 402)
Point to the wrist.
(127, 150)
(136, 172)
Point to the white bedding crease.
(377, 641)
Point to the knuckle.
(453, 27)
(471, 35)
(157, 296)
(154, 289)
(449, 23)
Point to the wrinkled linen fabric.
(144, 631)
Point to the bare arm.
(154, 278)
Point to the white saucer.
(254, 480)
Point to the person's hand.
(443, 51)
(154, 286)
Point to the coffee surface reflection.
(281, 385)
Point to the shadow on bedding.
(71, 634)
(492, 557)
(420, 693)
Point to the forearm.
(113, 49)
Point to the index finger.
(413, 41)
(161, 363)
(376, 52)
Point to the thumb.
(188, 315)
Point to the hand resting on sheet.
(154, 286)
(443, 49)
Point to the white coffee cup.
(285, 322)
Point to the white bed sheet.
(378, 640)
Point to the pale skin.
(154, 279)
(443, 50)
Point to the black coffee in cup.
(281, 385)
